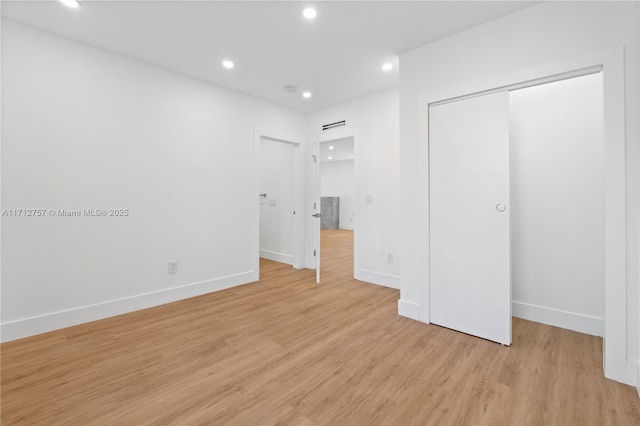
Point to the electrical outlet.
(390, 257)
(369, 198)
(173, 267)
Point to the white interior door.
(317, 212)
(277, 200)
(470, 272)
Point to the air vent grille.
(332, 125)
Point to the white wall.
(337, 179)
(276, 210)
(557, 203)
(84, 128)
(540, 35)
(375, 120)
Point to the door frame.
(297, 198)
(328, 136)
(611, 61)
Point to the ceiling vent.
(332, 125)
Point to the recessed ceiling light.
(329, 158)
(387, 67)
(227, 64)
(71, 3)
(331, 147)
(306, 94)
(309, 13)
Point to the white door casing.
(316, 211)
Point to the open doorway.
(276, 167)
(337, 203)
(557, 203)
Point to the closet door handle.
(501, 207)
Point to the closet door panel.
(470, 284)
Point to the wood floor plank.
(286, 351)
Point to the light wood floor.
(287, 351)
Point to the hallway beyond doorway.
(337, 253)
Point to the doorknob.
(501, 207)
(317, 215)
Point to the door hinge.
(314, 253)
(314, 158)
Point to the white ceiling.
(337, 57)
(338, 150)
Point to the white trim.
(278, 257)
(614, 161)
(25, 327)
(559, 318)
(525, 84)
(409, 309)
(632, 371)
(615, 222)
(298, 261)
(377, 278)
(638, 377)
(638, 53)
(1, 221)
(310, 263)
(346, 227)
(317, 211)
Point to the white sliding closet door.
(470, 272)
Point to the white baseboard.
(409, 309)
(18, 329)
(632, 374)
(570, 320)
(624, 371)
(277, 257)
(392, 281)
(310, 262)
(631, 378)
(638, 377)
(347, 227)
